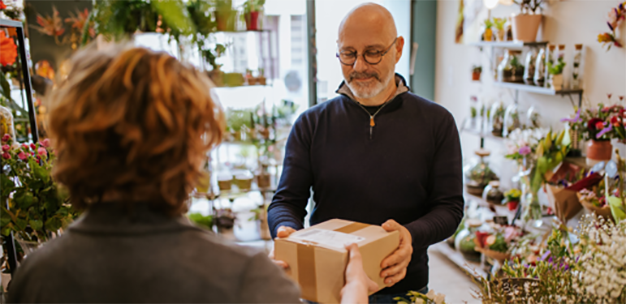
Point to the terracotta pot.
(598, 150)
(252, 21)
(475, 76)
(526, 26)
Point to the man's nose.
(360, 65)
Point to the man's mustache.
(363, 75)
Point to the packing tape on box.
(307, 276)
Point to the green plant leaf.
(21, 224)
(5, 88)
(36, 224)
(53, 224)
(617, 208)
(6, 230)
(7, 185)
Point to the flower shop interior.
(536, 89)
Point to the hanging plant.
(615, 18)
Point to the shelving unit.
(509, 44)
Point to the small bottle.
(561, 58)
(577, 67)
(540, 67)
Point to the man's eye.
(372, 53)
(348, 54)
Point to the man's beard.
(366, 90)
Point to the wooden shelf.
(509, 44)
(472, 269)
(534, 89)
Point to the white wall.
(567, 22)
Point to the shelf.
(534, 89)
(245, 31)
(484, 135)
(470, 268)
(509, 44)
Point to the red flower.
(2, 5)
(592, 123)
(8, 50)
(6, 137)
(615, 121)
(33, 146)
(6, 155)
(22, 156)
(6, 148)
(599, 125)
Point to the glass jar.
(465, 240)
(6, 123)
(577, 69)
(496, 119)
(529, 63)
(511, 119)
(550, 58)
(478, 174)
(492, 193)
(511, 69)
(540, 68)
(532, 118)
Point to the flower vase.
(598, 150)
(500, 35)
(531, 210)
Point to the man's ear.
(399, 47)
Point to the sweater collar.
(400, 83)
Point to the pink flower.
(6, 148)
(45, 143)
(6, 155)
(6, 137)
(22, 156)
(42, 151)
(25, 146)
(525, 150)
(33, 146)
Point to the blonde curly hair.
(131, 124)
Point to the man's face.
(367, 80)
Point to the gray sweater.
(113, 255)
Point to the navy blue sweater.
(409, 171)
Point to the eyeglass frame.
(356, 55)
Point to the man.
(377, 154)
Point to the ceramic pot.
(252, 21)
(598, 150)
(525, 27)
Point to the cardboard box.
(317, 258)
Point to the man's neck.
(381, 98)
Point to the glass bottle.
(561, 57)
(504, 69)
(532, 118)
(540, 67)
(511, 119)
(464, 240)
(478, 174)
(496, 119)
(529, 64)
(7, 123)
(577, 67)
(550, 58)
(517, 69)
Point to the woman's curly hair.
(131, 124)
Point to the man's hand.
(283, 232)
(358, 284)
(394, 266)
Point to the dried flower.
(50, 25)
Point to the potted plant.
(556, 74)
(476, 71)
(225, 15)
(488, 33)
(261, 79)
(512, 198)
(251, 11)
(526, 24)
(211, 55)
(499, 23)
(205, 221)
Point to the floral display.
(586, 268)
(37, 206)
(615, 17)
(603, 123)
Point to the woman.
(131, 128)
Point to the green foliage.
(488, 24)
(253, 6)
(499, 23)
(556, 69)
(202, 220)
(500, 244)
(236, 119)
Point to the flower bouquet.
(495, 245)
(615, 17)
(595, 201)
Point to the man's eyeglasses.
(371, 57)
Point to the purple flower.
(573, 120)
(525, 150)
(604, 131)
(610, 26)
(545, 255)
